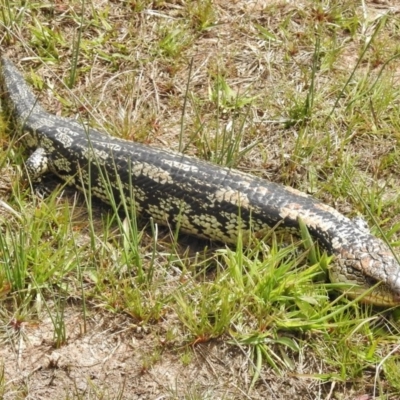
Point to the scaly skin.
(203, 199)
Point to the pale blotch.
(62, 164)
(331, 210)
(291, 211)
(29, 139)
(157, 174)
(337, 244)
(296, 192)
(181, 166)
(294, 211)
(112, 146)
(186, 224)
(208, 223)
(47, 144)
(36, 124)
(232, 196)
(64, 138)
(91, 154)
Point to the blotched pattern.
(201, 198)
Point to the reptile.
(203, 199)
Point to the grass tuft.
(302, 94)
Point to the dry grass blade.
(305, 94)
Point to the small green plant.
(202, 14)
(225, 97)
(305, 96)
(2, 381)
(150, 359)
(187, 356)
(46, 41)
(173, 40)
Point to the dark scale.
(210, 200)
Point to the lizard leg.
(37, 164)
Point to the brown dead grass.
(114, 358)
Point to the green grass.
(302, 95)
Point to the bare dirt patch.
(115, 359)
(132, 79)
